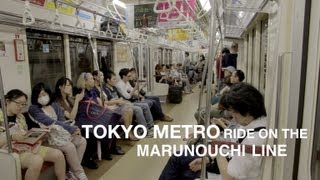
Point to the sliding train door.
(309, 164)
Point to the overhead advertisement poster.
(178, 35)
(144, 16)
(62, 7)
(38, 2)
(171, 19)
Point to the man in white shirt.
(132, 94)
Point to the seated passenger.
(114, 97)
(124, 109)
(46, 112)
(236, 77)
(184, 78)
(129, 93)
(69, 105)
(246, 105)
(93, 112)
(160, 78)
(16, 101)
(156, 109)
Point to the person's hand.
(80, 96)
(195, 165)
(142, 99)
(77, 132)
(220, 122)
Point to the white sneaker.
(82, 176)
(70, 176)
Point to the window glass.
(46, 57)
(105, 57)
(81, 56)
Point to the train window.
(46, 57)
(170, 56)
(81, 56)
(105, 59)
(136, 58)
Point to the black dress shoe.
(117, 151)
(90, 164)
(107, 157)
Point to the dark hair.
(225, 50)
(95, 73)
(62, 81)
(36, 91)
(202, 57)
(187, 54)
(132, 70)
(158, 67)
(109, 76)
(15, 94)
(240, 75)
(123, 72)
(245, 99)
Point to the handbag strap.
(88, 107)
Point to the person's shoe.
(150, 133)
(167, 118)
(117, 151)
(82, 176)
(107, 157)
(70, 176)
(90, 164)
(132, 137)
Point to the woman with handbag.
(62, 136)
(93, 112)
(69, 104)
(16, 101)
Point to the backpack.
(175, 94)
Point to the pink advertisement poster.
(38, 2)
(162, 17)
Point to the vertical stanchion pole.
(94, 46)
(211, 51)
(5, 117)
(219, 73)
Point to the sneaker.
(167, 118)
(82, 176)
(70, 176)
(150, 133)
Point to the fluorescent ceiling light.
(119, 3)
(241, 14)
(205, 5)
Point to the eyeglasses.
(20, 104)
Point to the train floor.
(130, 166)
